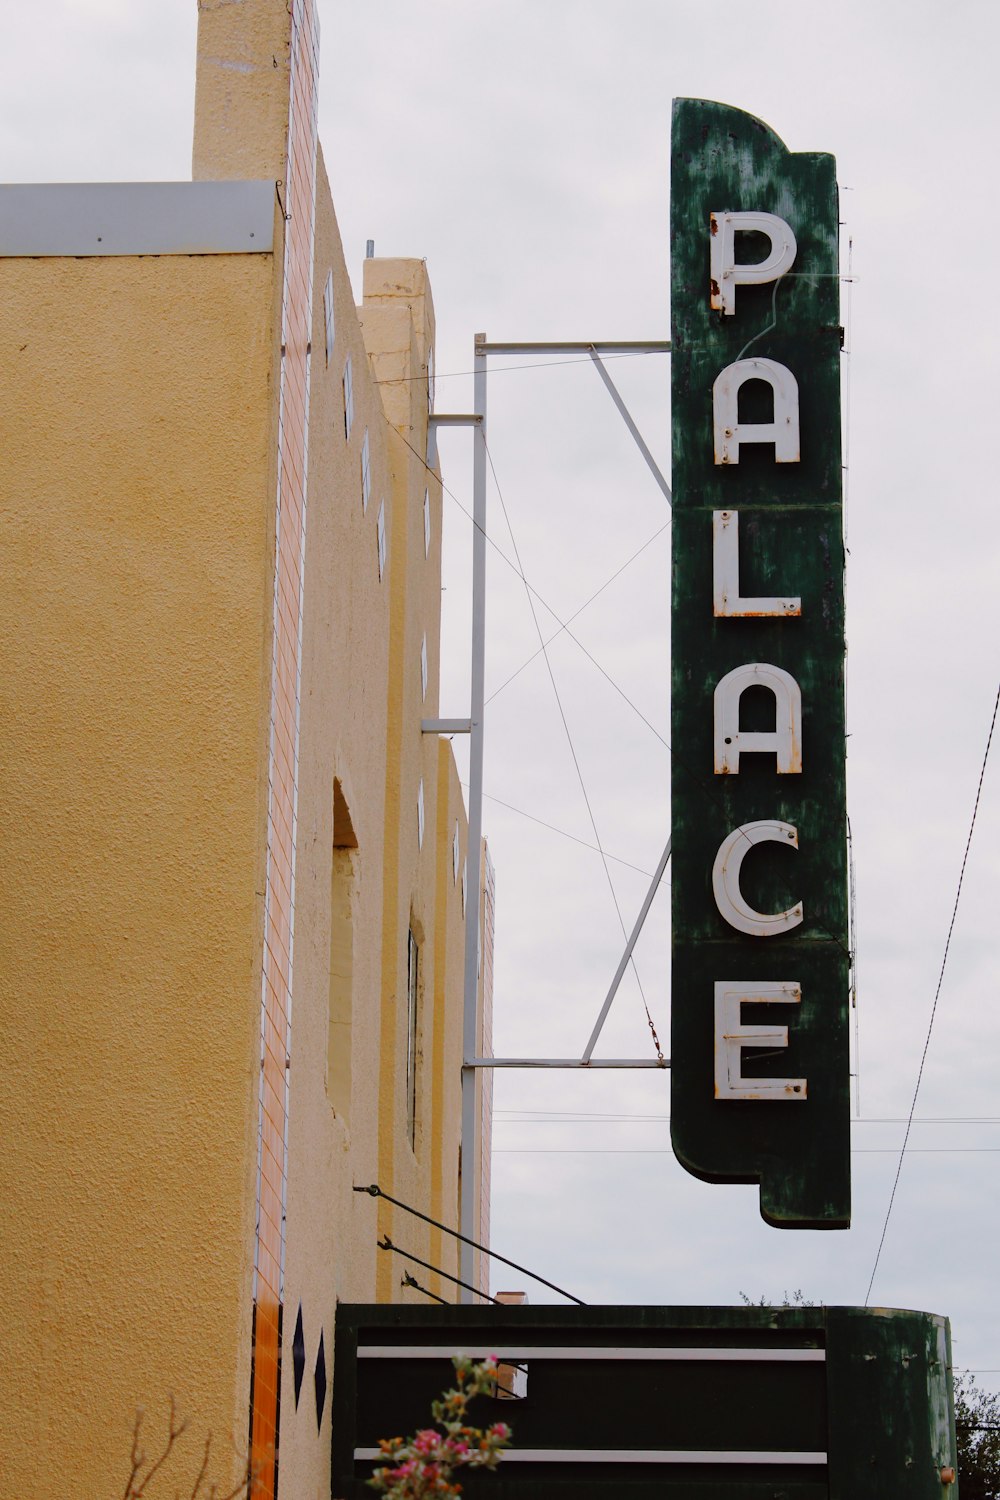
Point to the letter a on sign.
(760, 979)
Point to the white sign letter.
(726, 879)
(726, 598)
(731, 1036)
(783, 432)
(726, 274)
(785, 742)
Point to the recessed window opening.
(328, 315)
(427, 523)
(348, 398)
(412, 1018)
(380, 541)
(366, 473)
(343, 888)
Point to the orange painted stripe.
(282, 771)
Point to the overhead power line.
(666, 1151)
(937, 994)
(576, 1116)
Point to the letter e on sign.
(732, 1035)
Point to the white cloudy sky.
(523, 148)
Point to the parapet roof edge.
(136, 218)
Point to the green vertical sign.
(760, 983)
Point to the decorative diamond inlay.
(298, 1355)
(320, 1381)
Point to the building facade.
(233, 889)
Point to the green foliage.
(423, 1465)
(977, 1426)
(797, 1299)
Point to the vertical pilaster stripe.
(298, 193)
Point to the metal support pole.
(567, 1062)
(626, 956)
(627, 418)
(446, 726)
(581, 346)
(444, 419)
(471, 1145)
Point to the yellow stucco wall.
(136, 547)
(332, 1142)
(362, 706)
(398, 324)
(241, 89)
(137, 625)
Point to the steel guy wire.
(564, 626)
(545, 364)
(937, 995)
(585, 605)
(375, 1191)
(562, 832)
(698, 780)
(413, 1283)
(517, 572)
(572, 751)
(385, 1243)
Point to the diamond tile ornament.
(298, 1355)
(319, 1378)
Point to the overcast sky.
(523, 149)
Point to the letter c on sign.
(726, 879)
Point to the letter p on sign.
(726, 274)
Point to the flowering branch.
(423, 1465)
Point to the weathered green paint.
(889, 1384)
(880, 1406)
(790, 544)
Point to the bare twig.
(136, 1487)
(203, 1469)
(138, 1457)
(138, 1482)
(243, 1488)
